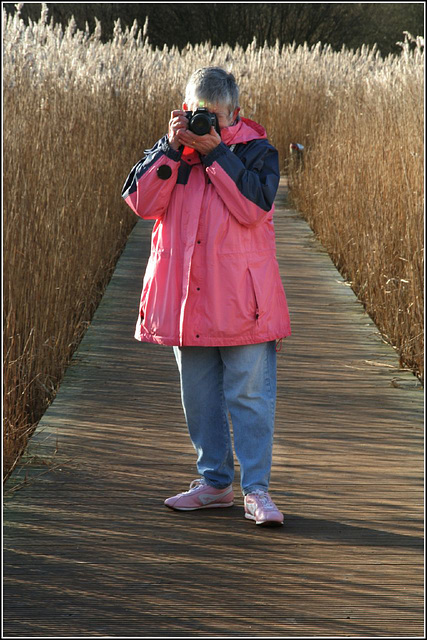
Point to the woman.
(212, 288)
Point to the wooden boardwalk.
(90, 550)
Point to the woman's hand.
(179, 134)
(177, 124)
(203, 144)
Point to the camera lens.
(200, 124)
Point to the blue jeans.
(241, 381)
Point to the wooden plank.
(89, 548)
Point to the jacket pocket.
(265, 282)
(256, 294)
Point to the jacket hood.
(243, 131)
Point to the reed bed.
(361, 189)
(78, 113)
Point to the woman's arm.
(150, 183)
(247, 184)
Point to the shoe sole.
(206, 506)
(265, 523)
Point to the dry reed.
(362, 192)
(78, 113)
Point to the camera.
(201, 121)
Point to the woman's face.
(225, 118)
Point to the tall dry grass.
(362, 192)
(67, 143)
(78, 113)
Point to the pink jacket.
(212, 278)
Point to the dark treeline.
(337, 24)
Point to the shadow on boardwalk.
(90, 550)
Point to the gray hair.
(212, 85)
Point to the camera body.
(201, 121)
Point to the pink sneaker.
(261, 508)
(201, 496)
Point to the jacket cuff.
(171, 153)
(214, 154)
